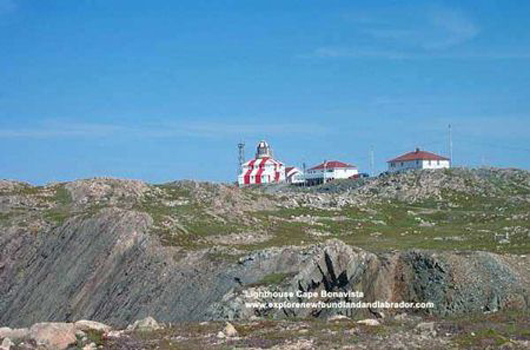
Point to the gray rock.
(369, 322)
(13, 334)
(6, 344)
(91, 346)
(426, 328)
(56, 336)
(230, 331)
(85, 325)
(107, 263)
(146, 324)
(338, 318)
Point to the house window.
(401, 163)
(417, 162)
(429, 162)
(438, 162)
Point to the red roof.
(332, 164)
(417, 155)
(261, 161)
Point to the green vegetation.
(188, 223)
(273, 279)
(95, 336)
(473, 331)
(479, 331)
(186, 214)
(62, 197)
(61, 210)
(460, 222)
(4, 217)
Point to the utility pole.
(372, 161)
(304, 169)
(324, 175)
(450, 146)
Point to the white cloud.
(452, 28)
(429, 32)
(65, 129)
(391, 54)
(426, 28)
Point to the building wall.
(435, 164)
(262, 174)
(418, 164)
(297, 178)
(294, 176)
(330, 174)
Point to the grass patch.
(273, 279)
(62, 196)
(482, 338)
(57, 216)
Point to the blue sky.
(164, 90)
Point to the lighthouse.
(263, 169)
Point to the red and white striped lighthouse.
(262, 169)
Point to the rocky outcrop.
(92, 250)
(107, 190)
(454, 283)
(106, 268)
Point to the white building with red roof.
(418, 159)
(330, 170)
(293, 175)
(263, 169)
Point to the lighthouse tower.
(263, 169)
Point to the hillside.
(117, 250)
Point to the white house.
(293, 175)
(418, 160)
(262, 169)
(330, 170)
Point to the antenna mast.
(450, 145)
(241, 148)
(372, 161)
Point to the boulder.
(91, 346)
(114, 334)
(146, 324)
(401, 317)
(80, 334)
(369, 322)
(6, 344)
(13, 334)
(53, 335)
(338, 318)
(230, 330)
(85, 325)
(426, 327)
